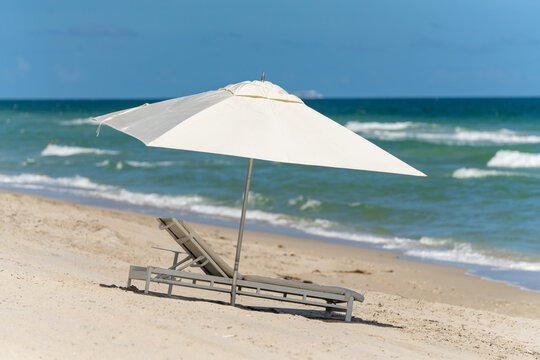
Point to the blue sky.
(149, 49)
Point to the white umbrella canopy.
(255, 120)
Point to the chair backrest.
(195, 246)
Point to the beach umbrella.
(254, 120)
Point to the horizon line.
(472, 97)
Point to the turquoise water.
(478, 208)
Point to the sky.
(163, 49)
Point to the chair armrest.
(173, 251)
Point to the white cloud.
(308, 94)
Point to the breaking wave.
(80, 121)
(149, 165)
(446, 250)
(468, 173)
(465, 254)
(84, 187)
(61, 150)
(306, 204)
(435, 134)
(514, 159)
(119, 165)
(358, 126)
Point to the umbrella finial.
(262, 77)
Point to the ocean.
(479, 207)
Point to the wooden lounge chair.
(218, 276)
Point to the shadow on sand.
(309, 314)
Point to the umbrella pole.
(241, 234)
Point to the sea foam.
(463, 137)
(514, 159)
(465, 254)
(427, 248)
(467, 173)
(358, 126)
(305, 204)
(77, 122)
(148, 164)
(62, 150)
(35, 179)
(82, 186)
(435, 134)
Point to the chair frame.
(176, 276)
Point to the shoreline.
(63, 266)
(426, 272)
(425, 278)
(515, 278)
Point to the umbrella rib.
(264, 97)
(116, 115)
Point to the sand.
(56, 256)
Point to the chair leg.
(148, 274)
(129, 282)
(170, 290)
(350, 303)
(328, 310)
(328, 313)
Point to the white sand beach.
(63, 266)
